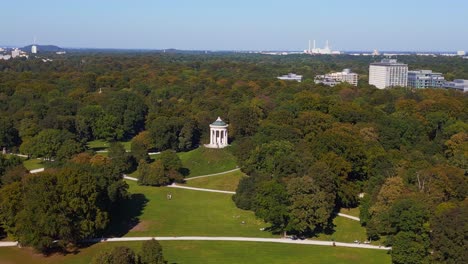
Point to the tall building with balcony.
(388, 73)
(421, 79)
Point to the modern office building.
(421, 79)
(388, 73)
(335, 78)
(291, 77)
(458, 84)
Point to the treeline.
(308, 149)
(403, 151)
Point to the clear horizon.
(241, 25)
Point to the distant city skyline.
(237, 25)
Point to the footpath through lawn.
(194, 252)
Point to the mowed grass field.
(32, 164)
(202, 161)
(225, 182)
(192, 213)
(350, 211)
(194, 252)
(97, 145)
(346, 230)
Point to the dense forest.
(400, 155)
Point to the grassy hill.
(225, 182)
(202, 161)
(192, 213)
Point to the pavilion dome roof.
(219, 122)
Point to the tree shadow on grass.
(126, 215)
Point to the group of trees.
(151, 253)
(308, 149)
(60, 207)
(166, 169)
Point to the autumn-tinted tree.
(152, 253)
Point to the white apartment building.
(335, 78)
(388, 73)
(290, 77)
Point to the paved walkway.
(129, 178)
(8, 244)
(349, 216)
(199, 189)
(238, 239)
(210, 175)
(37, 170)
(243, 239)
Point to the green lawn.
(192, 213)
(346, 230)
(32, 164)
(104, 145)
(202, 161)
(351, 211)
(192, 252)
(225, 182)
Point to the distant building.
(291, 77)
(461, 53)
(15, 53)
(325, 51)
(5, 57)
(388, 73)
(421, 79)
(335, 78)
(458, 84)
(33, 49)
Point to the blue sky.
(238, 24)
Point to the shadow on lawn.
(126, 215)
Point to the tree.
(273, 160)
(121, 160)
(390, 191)
(152, 253)
(245, 193)
(8, 133)
(409, 215)
(64, 205)
(409, 248)
(449, 231)
(271, 204)
(243, 121)
(153, 174)
(68, 149)
(140, 145)
(118, 255)
(310, 208)
(47, 143)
